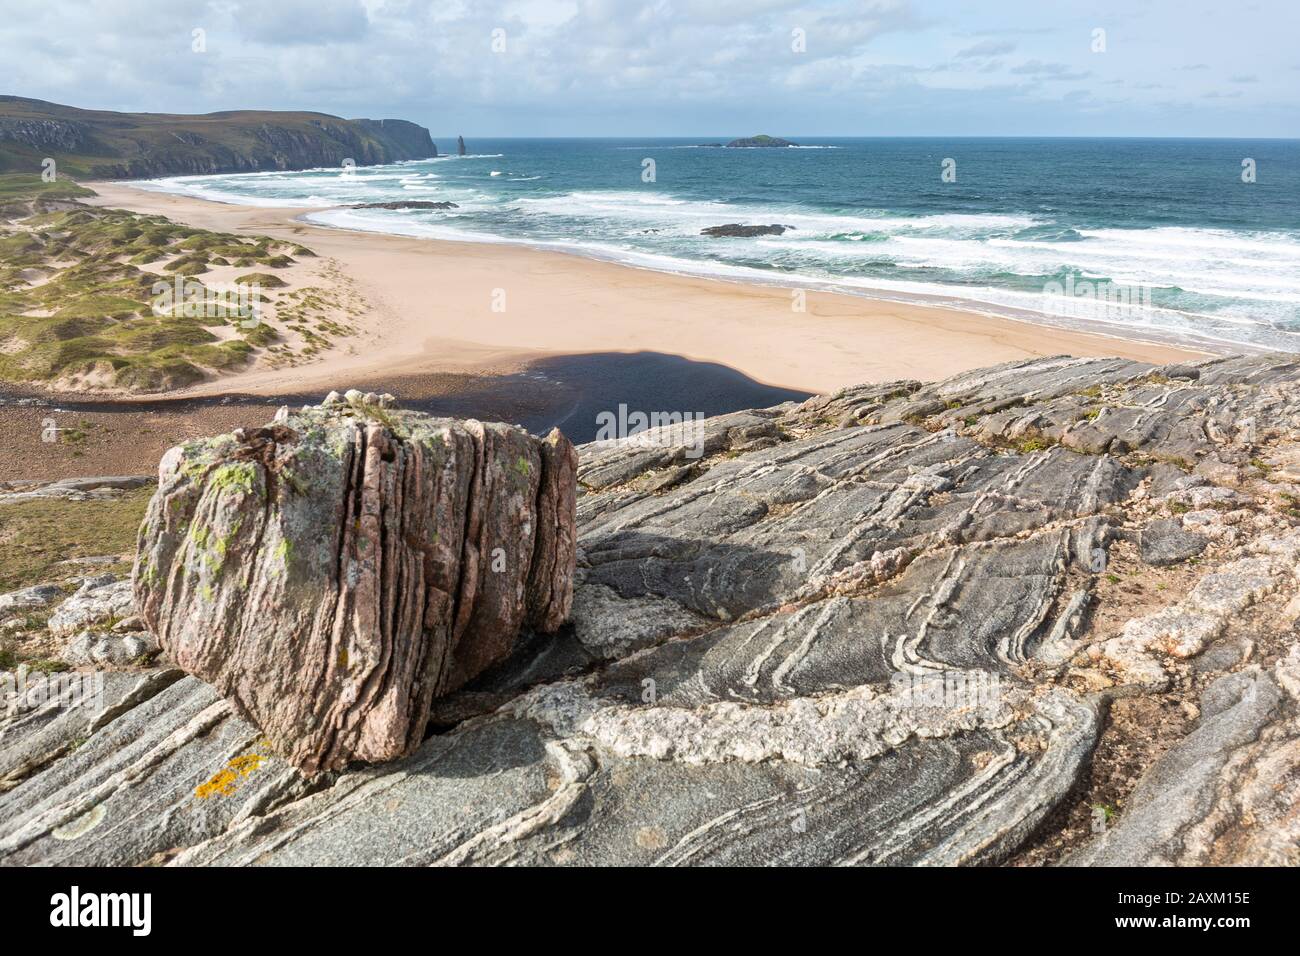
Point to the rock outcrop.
(407, 204)
(334, 572)
(741, 231)
(901, 624)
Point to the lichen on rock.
(334, 571)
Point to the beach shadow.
(571, 391)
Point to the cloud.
(609, 67)
(988, 48)
(1048, 71)
(1243, 78)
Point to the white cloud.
(593, 67)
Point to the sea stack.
(460, 145)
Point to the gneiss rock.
(761, 613)
(332, 573)
(1165, 542)
(38, 596)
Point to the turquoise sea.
(1156, 239)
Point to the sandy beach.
(451, 307)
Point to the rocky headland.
(100, 144)
(1038, 613)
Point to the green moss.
(283, 552)
(1036, 443)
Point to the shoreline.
(431, 310)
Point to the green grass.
(31, 186)
(37, 535)
(263, 280)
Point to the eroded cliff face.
(1037, 613)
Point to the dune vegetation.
(79, 295)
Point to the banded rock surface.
(333, 572)
(905, 623)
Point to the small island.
(760, 140)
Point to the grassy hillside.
(107, 145)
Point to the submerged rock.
(332, 573)
(735, 230)
(407, 204)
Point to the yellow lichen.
(226, 781)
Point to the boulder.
(28, 599)
(100, 601)
(1165, 542)
(333, 572)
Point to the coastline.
(431, 310)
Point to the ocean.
(1158, 239)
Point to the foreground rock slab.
(332, 573)
(901, 624)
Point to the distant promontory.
(107, 145)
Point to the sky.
(715, 68)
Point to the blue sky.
(681, 67)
